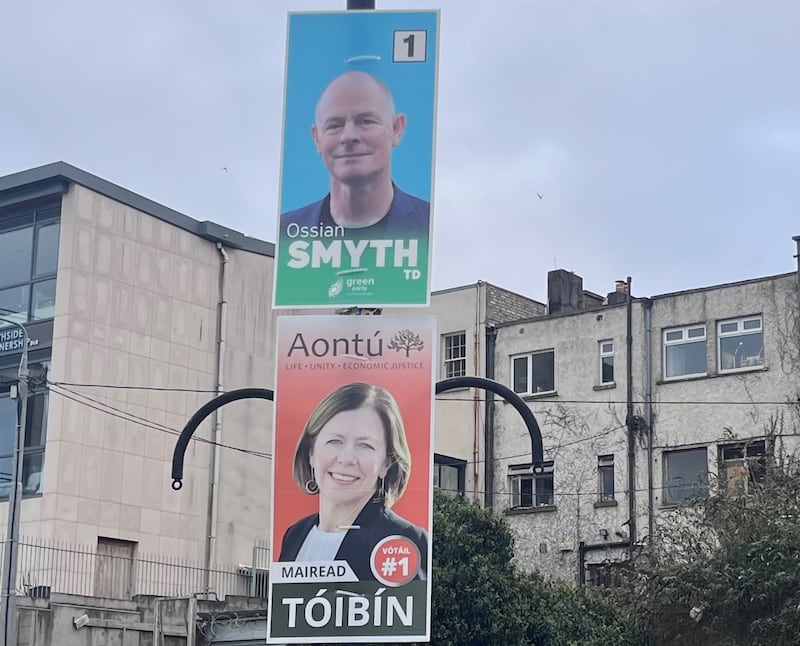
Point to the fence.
(45, 566)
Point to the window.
(685, 351)
(529, 489)
(534, 373)
(605, 477)
(28, 264)
(33, 460)
(742, 466)
(740, 344)
(606, 362)
(455, 355)
(686, 475)
(603, 575)
(449, 474)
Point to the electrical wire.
(444, 397)
(141, 421)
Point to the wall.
(580, 421)
(136, 306)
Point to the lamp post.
(7, 617)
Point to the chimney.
(797, 255)
(620, 293)
(564, 292)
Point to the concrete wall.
(143, 621)
(579, 422)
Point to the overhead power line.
(444, 397)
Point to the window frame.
(31, 451)
(35, 218)
(529, 356)
(741, 331)
(524, 472)
(665, 488)
(685, 340)
(606, 354)
(755, 452)
(449, 362)
(605, 464)
(439, 461)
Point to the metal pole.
(8, 616)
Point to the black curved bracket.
(537, 451)
(204, 411)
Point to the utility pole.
(8, 615)
(630, 420)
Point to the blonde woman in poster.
(353, 455)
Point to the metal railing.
(45, 567)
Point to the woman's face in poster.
(349, 455)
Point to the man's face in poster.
(356, 128)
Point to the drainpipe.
(630, 420)
(488, 422)
(213, 494)
(648, 414)
(583, 548)
(476, 397)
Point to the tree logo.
(406, 341)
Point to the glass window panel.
(36, 420)
(14, 304)
(8, 222)
(697, 332)
(448, 478)
(687, 475)
(607, 482)
(607, 370)
(686, 359)
(8, 425)
(43, 301)
(526, 492)
(5, 477)
(607, 347)
(544, 489)
(32, 464)
(543, 377)
(46, 261)
(48, 214)
(741, 351)
(16, 248)
(674, 336)
(729, 327)
(521, 374)
(752, 324)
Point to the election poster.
(352, 479)
(356, 184)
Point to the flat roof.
(55, 178)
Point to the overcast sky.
(663, 135)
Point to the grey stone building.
(714, 388)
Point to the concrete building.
(713, 394)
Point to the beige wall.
(459, 414)
(137, 306)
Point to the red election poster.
(352, 494)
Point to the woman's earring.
(380, 493)
(312, 487)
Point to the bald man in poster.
(355, 131)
